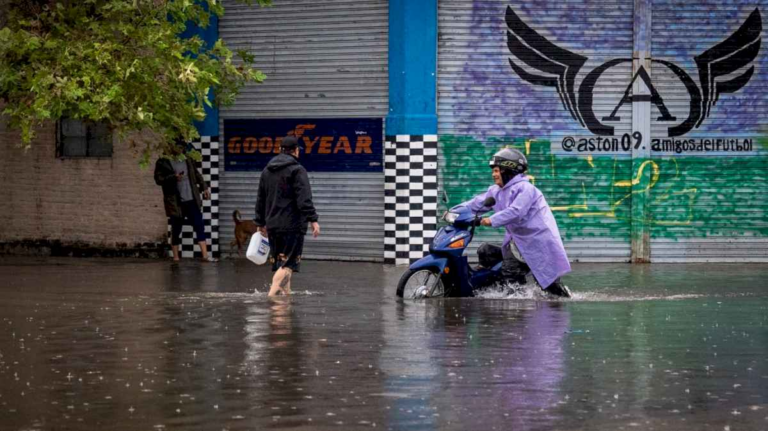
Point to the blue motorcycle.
(445, 270)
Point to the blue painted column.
(209, 126)
(209, 35)
(410, 148)
(412, 67)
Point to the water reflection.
(451, 362)
(193, 277)
(274, 361)
(130, 346)
(673, 364)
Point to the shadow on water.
(94, 344)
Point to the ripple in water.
(531, 291)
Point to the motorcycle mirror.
(489, 202)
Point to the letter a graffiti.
(654, 98)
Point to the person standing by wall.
(283, 209)
(181, 183)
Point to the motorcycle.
(445, 270)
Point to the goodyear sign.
(330, 145)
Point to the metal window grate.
(76, 138)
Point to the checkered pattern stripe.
(410, 197)
(209, 167)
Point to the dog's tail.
(236, 216)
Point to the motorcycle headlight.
(450, 217)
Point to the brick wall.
(109, 203)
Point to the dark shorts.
(285, 249)
(511, 269)
(191, 213)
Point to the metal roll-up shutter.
(709, 204)
(484, 105)
(323, 59)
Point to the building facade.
(644, 122)
(77, 205)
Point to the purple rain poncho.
(522, 210)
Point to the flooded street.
(118, 344)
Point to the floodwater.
(95, 344)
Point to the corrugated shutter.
(351, 208)
(709, 206)
(323, 59)
(483, 105)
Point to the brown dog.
(243, 231)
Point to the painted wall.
(557, 80)
(82, 206)
(719, 196)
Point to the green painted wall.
(699, 197)
(591, 196)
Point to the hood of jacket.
(281, 161)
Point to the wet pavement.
(94, 344)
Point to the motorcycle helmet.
(510, 162)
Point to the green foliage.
(116, 61)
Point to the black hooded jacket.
(284, 202)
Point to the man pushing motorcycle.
(532, 242)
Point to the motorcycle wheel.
(412, 282)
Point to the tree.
(121, 62)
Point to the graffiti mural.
(591, 196)
(555, 80)
(559, 67)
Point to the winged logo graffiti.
(724, 68)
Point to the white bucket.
(258, 249)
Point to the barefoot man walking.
(283, 210)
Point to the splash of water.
(528, 291)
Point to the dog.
(243, 231)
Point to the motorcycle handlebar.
(475, 223)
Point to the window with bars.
(76, 138)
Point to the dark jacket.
(165, 176)
(284, 202)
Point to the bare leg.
(203, 249)
(276, 278)
(286, 283)
(175, 249)
(281, 282)
(275, 287)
